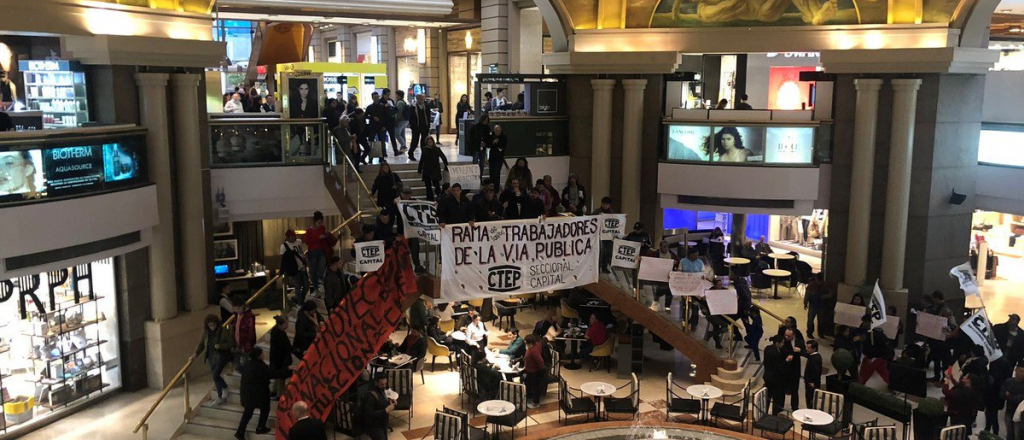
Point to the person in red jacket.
(535, 373)
(597, 334)
(320, 243)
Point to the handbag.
(376, 149)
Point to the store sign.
(420, 220)
(68, 170)
(370, 81)
(519, 256)
(44, 66)
(28, 288)
(688, 142)
(794, 54)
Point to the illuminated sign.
(741, 144)
(794, 54)
(789, 145)
(45, 66)
(1001, 147)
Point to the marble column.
(386, 54)
(189, 161)
(430, 71)
(897, 192)
(632, 119)
(864, 133)
(494, 34)
(153, 116)
(601, 153)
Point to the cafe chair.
(955, 432)
(759, 282)
(676, 403)
(476, 303)
(400, 380)
(469, 432)
(735, 412)
(420, 363)
(502, 312)
(831, 403)
(555, 372)
(447, 426)
(515, 393)
(528, 298)
(470, 388)
(569, 312)
(446, 326)
(572, 402)
(436, 349)
(765, 421)
(345, 416)
(625, 405)
(884, 433)
(603, 353)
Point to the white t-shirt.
(234, 107)
(475, 333)
(297, 247)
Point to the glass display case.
(58, 343)
(242, 142)
(58, 89)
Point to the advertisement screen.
(789, 145)
(67, 170)
(737, 144)
(687, 142)
(999, 147)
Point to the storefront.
(410, 55)
(58, 343)
(804, 234)
(359, 79)
(464, 63)
(1002, 231)
(773, 80)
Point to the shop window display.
(806, 231)
(58, 342)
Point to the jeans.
(660, 291)
(400, 127)
(536, 386)
(433, 186)
(247, 416)
(812, 314)
(300, 282)
(317, 267)
(480, 158)
(217, 363)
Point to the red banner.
(350, 337)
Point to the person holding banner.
(963, 401)
(606, 245)
(455, 208)
(939, 352)
(488, 208)
(574, 196)
(414, 242)
(512, 198)
(1010, 338)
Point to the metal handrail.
(352, 167)
(769, 312)
(732, 332)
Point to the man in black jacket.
(377, 117)
(375, 409)
(1010, 338)
(255, 393)
(455, 209)
(812, 371)
(775, 373)
(512, 199)
(488, 208)
(305, 427)
(419, 124)
(793, 350)
(532, 206)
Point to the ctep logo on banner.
(612, 226)
(420, 220)
(625, 253)
(520, 256)
(370, 255)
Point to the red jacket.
(597, 333)
(313, 240)
(534, 360)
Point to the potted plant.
(929, 419)
(843, 362)
(880, 402)
(988, 435)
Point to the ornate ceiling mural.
(198, 6)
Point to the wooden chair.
(884, 433)
(447, 426)
(447, 325)
(764, 420)
(436, 349)
(400, 380)
(734, 412)
(572, 402)
(469, 432)
(515, 393)
(676, 402)
(955, 432)
(603, 353)
(831, 403)
(625, 405)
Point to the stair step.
(733, 385)
(223, 429)
(232, 412)
(736, 374)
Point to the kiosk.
(360, 79)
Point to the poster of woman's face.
(737, 144)
(21, 173)
(304, 97)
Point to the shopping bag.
(376, 149)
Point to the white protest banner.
(518, 256)
(625, 253)
(612, 226)
(931, 325)
(420, 219)
(891, 327)
(979, 329)
(685, 284)
(849, 314)
(878, 316)
(369, 255)
(655, 269)
(965, 274)
(722, 302)
(468, 176)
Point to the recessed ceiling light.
(1017, 29)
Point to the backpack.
(289, 266)
(405, 110)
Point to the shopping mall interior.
(543, 219)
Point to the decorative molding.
(119, 50)
(621, 63)
(936, 60)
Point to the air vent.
(81, 250)
(745, 203)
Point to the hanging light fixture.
(421, 46)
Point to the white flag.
(877, 307)
(612, 226)
(625, 253)
(965, 274)
(979, 329)
(369, 255)
(655, 269)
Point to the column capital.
(908, 84)
(185, 80)
(603, 84)
(634, 84)
(868, 84)
(151, 79)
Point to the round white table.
(812, 417)
(776, 274)
(736, 261)
(495, 408)
(597, 390)
(705, 393)
(776, 257)
(458, 335)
